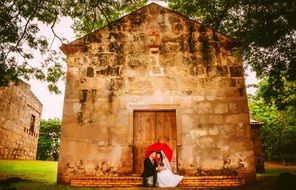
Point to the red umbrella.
(160, 146)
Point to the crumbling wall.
(17, 105)
(257, 144)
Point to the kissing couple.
(158, 171)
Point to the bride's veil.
(165, 160)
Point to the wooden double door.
(150, 127)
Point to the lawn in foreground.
(43, 174)
(276, 168)
(33, 170)
(38, 175)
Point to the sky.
(52, 103)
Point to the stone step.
(188, 181)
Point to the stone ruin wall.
(17, 104)
(154, 57)
(257, 144)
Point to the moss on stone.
(190, 38)
(205, 48)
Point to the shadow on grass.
(16, 183)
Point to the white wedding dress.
(166, 178)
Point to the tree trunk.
(282, 157)
(283, 125)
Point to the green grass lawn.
(42, 174)
(275, 168)
(33, 170)
(39, 175)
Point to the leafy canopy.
(267, 30)
(20, 41)
(49, 139)
(279, 130)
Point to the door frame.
(153, 107)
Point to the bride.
(165, 176)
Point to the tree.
(49, 139)
(279, 130)
(267, 31)
(20, 42)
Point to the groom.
(150, 168)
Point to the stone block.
(187, 138)
(188, 111)
(221, 108)
(170, 47)
(217, 71)
(199, 98)
(223, 145)
(237, 118)
(239, 107)
(241, 130)
(212, 160)
(178, 28)
(216, 119)
(211, 98)
(203, 107)
(201, 119)
(206, 142)
(199, 132)
(121, 139)
(232, 92)
(197, 70)
(240, 82)
(232, 83)
(212, 164)
(213, 130)
(227, 130)
(183, 155)
(236, 71)
(187, 122)
(90, 72)
(234, 107)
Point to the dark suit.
(149, 170)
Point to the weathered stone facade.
(20, 113)
(155, 59)
(257, 144)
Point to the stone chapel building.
(20, 114)
(155, 75)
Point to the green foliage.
(96, 14)
(49, 140)
(267, 30)
(279, 130)
(20, 42)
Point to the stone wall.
(17, 105)
(257, 144)
(155, 58)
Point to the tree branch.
(52, 29)
(220, 18)
(102, 11)
(25, 29)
